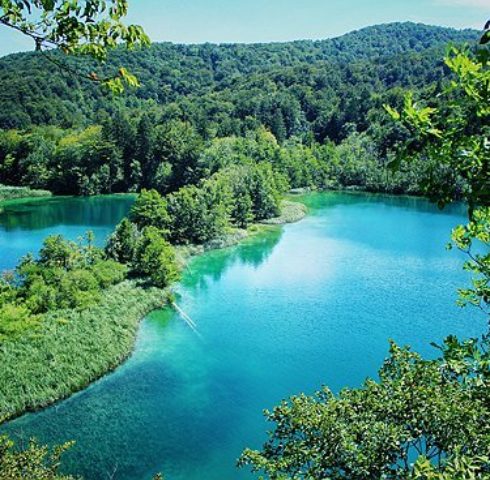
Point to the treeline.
(126, 155)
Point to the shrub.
(15, 320)
(109, 272)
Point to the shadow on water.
(47, 212)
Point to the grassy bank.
(71, 349)
(14, 193)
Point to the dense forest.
(312, 109)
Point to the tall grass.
(72, 348)
(11, 193)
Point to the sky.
(222, 21)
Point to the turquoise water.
(24, 224)
(313, 303)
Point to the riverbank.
(291, 212)
(72, 349)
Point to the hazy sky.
(197, 21)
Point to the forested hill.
(289, 87)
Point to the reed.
(72, 349)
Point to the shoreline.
(121, 335)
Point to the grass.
(13, 193)
(72, 349)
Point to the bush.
(109, 272)
(15, 320)
(78, 289)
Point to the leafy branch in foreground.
(76, 27)
(419, 421)
(466, 237)
(453, 141)
(34, 462)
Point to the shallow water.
(310, 304)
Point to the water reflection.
(45, 213)
(25, 224)
(253, 252)
(320, 200)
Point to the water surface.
(313, 303)
(24, 224)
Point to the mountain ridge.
(36, 93)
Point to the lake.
(313, 303)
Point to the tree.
(150, 209)
(89, 27)
(121, 133)
(177, 147)
(58, 252)
(242, 210)
(199, 214)
(35, 462)
(265, 192)
(155, 258)
(419, 411)
(145, 147)
(121, 244)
